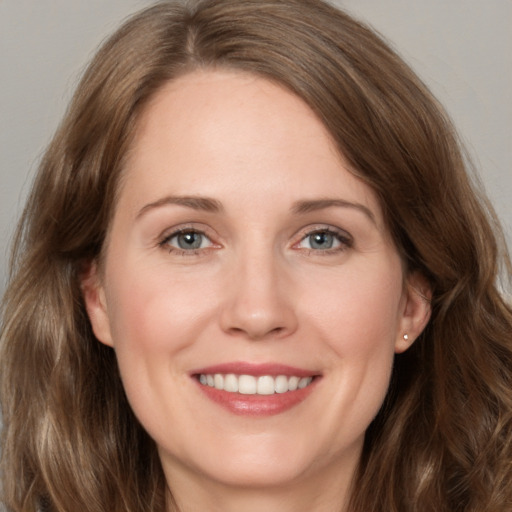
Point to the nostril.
(257, 332)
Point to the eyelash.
(165, 242)
(344, 239)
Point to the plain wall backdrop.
(460, 48)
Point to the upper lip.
(255, 369)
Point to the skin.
(255, 290)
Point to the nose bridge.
(259, 302)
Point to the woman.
(253, 274)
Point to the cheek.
(358, 308)
(156, 320)
(361, 343)
(155, 309)
(357, 320)
(156, 317)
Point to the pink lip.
(256, 405)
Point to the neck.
(326, 491)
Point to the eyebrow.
(211, 205)
(205, 204)
(307, 206)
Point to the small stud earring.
(406, 337)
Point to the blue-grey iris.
(322, 240)
(190, 240)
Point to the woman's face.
(244, 255)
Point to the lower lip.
(258, 405)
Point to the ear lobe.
(95, 304)
(416, 311)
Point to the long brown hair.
(443, 438)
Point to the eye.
(186, 241)
(320, 240)
(326, 240)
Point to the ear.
(93, 293)
(416, 310)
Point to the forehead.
(216, 105)
(210, 131)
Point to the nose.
(260, 300)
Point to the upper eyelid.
(177, 232)
(316, 228)
(164, 242)
(212, 235)
(184, 228)
(345, 240)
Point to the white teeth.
(230, 383)
(247, 385)
(292, 383)
(303, 382)
(281, 384)
(266, 385)
(251, 385)
(218, 381)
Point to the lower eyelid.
(165, 239)
(210, 245)
(343, 238)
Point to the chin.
(260, 474)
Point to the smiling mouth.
(254, 385)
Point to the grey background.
(461, 48)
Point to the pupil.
(189, 241)
(321, 241)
